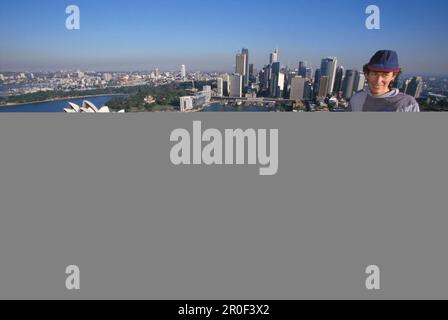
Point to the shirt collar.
(391, 93)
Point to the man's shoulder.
(406, 97)
(407, 103)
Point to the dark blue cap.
(384, 61)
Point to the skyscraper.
(308, 91)
(281, 85)
(183, 72)
(303, 65)
(264, 80)
(297, 88)
(236, 86)
(226, 85)
(415, 87)
(349, 83)
(328, 68)
(252, 75)
(275, 78)
(220, 84)
(338, 80)
(324, 84)
(245, 52)
(309, 73)
(241, 63)
(317, 76)
(274, 57)
(360, 81)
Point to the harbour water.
(56, 106)
(99, 101)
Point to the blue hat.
(384, 61)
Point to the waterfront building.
(236, 86)
(186, 103)
(220, 87)
(87, 107)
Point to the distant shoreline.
(60, 99)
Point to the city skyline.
(120, 36)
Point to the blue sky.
(206, 35)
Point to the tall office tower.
(274, 57)
(245, 52)
(220, 85)
(226, 85)
(251, 70)
(281, 85)
(275, 77)
(183, 73)
(317, 76)
(338, 80)
(236, 86)
(405, 85)
(324, 83)
(297, 88)
(349, 84)
(303, 65)
(328, 69)
(415, 87)
(252, 75)
(2, 78)
(261, 78)
(398, 83)
(308, 91)
(266, 75)
(240, 68)
(157, 73)
(309, 73)
(360, 81)
(289, 76)
(207, 91)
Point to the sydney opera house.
(87, 107)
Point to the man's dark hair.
(392, 84)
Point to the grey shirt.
(393, 101)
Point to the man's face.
(379, 82)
